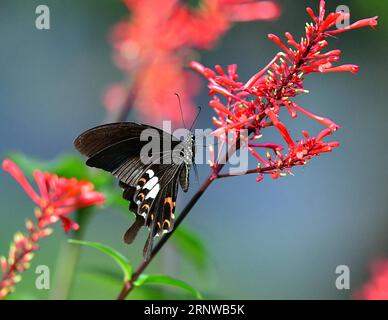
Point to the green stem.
(69, 254)
(129, 285)
(68, 259)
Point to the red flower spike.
(18, 175)
(256, 104)
(369, 22)
(344, 68)
(280, 126)
(57, 198)
(152, 48)
(262, 10)
(377, 287)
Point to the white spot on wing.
(154, 192)
(150, 173)
(151, 183)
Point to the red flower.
(154, 46)
(57, 198)
(377, 286)
(256, 104)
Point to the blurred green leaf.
(113, 279)
(191, 247)
(27, 164)
(114, 254)
(114, 198)
(21, 296)
(166, 280)
(103, 276)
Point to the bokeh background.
(271, 240)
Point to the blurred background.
(277, 239)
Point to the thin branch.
(265, 170)
(128, 286)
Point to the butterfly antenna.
(180, 108)
(196, 118)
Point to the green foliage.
(166, 280)
(369, 9)
(114, 199)
(191, 246)
(113, 280)
(115, 255)
(126, 268)
(186, 241)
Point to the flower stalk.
(153, 46)
(57, 198)
(256, 104)
(129, 285)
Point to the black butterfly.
(150, 187)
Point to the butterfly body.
(150, 187)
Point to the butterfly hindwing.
(154, 205)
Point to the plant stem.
(69, 254)
(128, 285)
(266, 170)
(68, 259)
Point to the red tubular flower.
(256, 104)
(154, 45)
(57, 198)
(377, 287)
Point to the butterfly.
(151, 186)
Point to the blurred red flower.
(154, 45)
(377, 287)
(256, 104)
(57, 198)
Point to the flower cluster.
(256, 104)
(153, 46)
(57, 198)
(377, 287)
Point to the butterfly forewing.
(98, 138)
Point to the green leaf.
(113, 280)
(28, 165)
(21, 296)
(166, 280)
(191, 247)
(114, 254)
(104, 277)
(114, 198)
